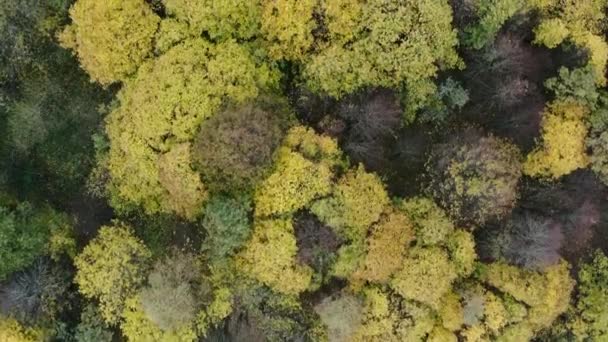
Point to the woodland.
(303, 170)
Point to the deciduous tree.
(92, 327)
(341, 315)
(287, 26)
(234, 148)
(475, 178)
(38, 294)
(597, 139)
(579, 22)
(590, 320)
(226, 222)
(25, 234)
(110, 268)
(386, 247)
(563, 141)
(161, 109)
(421, 268)
(12, 331)
(431, 223)
(303, 171)
(111, 38)
(357, 201)
(171, 299)
(388, 45)
(270, 257)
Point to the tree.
(431, 223)
(341, 315)
(450, 97)
(317, 245)
(186, 192)
(451, 312)
(526, 240)
(505, 80)
(590, 318)
(13, 331)
(369, 38)
(576, 85)
(137, 327)
(421, 268)
(110, 268)
(461, 246)
(295, 182)
(111, 39)
(597, 139)
(386, 247)
(226, 222)
(92, 327)
(358, 201)
(25, 234)
(475, 179)
(233, 19)
(303, 171)
(266, 315)
(492, 16)
(551, 32)
(579, 22)
(171, 299)
(181, 302)
(389, 317)
(230, 19)
(270, 257)
(371, 120)
(161, 110)
(547, 293)
(563, 142)
(287, 26)
(234, 149)
(39, 293)
(49, 106)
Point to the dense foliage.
(303, 170)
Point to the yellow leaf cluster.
(295, 182)
(563, 142)
(380, 43)
(287, 26)
(578, 20)
(547, 293)
(551, 33)
(13, 331)
(110, 268)
(304, 168)
(461, 245)
(450, 312)
(389, 318)
(386, 245)
(357, 201)
(162, 107)
(426, 276)
(111, 38)
(269, 257)
(431, 222)
(186, 192)
(440, 334)
(137, 327)
(222, 20)
(342, 18)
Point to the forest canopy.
(303, 170)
